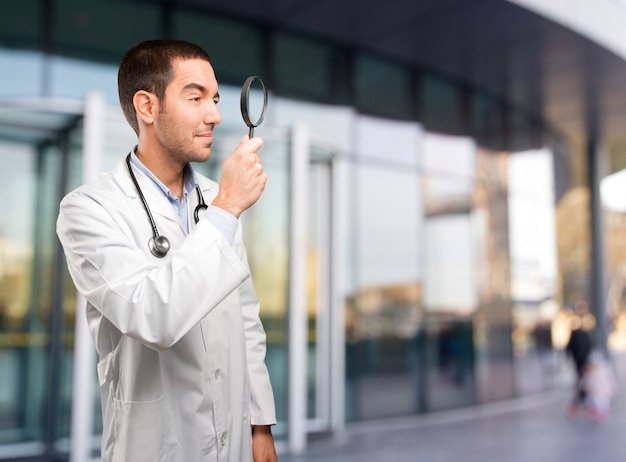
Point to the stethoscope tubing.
(160, 245)
(155, 231)
(201, 206)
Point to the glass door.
(42, 149)
(22, 358)
(319, 273)
(35, 331)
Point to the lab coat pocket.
(142, 431)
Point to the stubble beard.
(181, 150)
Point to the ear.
(146, 106)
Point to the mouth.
(206, 137)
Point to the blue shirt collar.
(189, 178)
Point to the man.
(175, 318)
(579, 347)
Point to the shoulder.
(94, 188)
(105, 187)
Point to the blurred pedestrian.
(599, 385)
(579, 348)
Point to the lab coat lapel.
(159, 204)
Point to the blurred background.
(445, 184)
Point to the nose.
(212, 115)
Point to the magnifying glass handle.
(251, 133)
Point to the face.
(187, 116)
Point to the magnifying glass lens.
(253, 102)
(256, 102)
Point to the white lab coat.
(180, 342)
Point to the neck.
(169, 173)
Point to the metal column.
(84, 352)
(298, 320)
(596, 171)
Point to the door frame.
(330, 367)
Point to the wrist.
(262, 429)
(227, 207)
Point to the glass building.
(433, 207)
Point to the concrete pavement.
(530, 429)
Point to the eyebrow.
(200, 88)
(195, 86)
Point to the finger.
(255, 143)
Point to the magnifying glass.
(253, 108)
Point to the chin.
(203, 154)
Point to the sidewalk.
(529, 429)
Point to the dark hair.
(148, 66)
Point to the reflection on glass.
(384, 313)
(27, 285)
(534, 280)
(18, 411)
(492, 320)
(450, 276)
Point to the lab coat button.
(223, 438)
(218, 374)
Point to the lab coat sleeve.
(154, 301)
(261, 394)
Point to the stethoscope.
(160, 245)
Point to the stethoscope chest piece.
(159, 246)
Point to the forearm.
(263, 448)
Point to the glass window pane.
(236, 48)
(450, 260)
(20, 24)
(19, 411)
(534, 280)
(388, 212)
(303, 68)
(441, 108)
(493, 320)
(102, 30)
(486, 121)
(59, 327)
(384, 314)
(383, 88)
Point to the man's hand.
(263, 449)
(243, 178)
